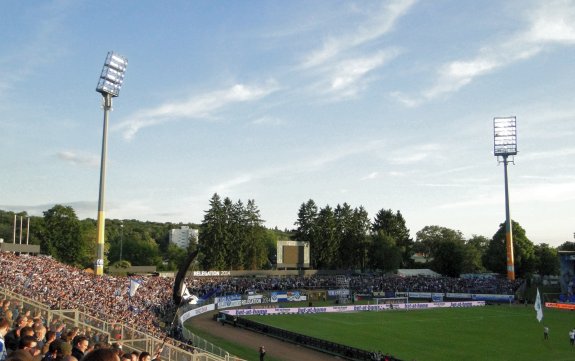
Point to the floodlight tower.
(505, 145)
(109, 84)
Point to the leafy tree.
(393, 225)
(495, 257)
(384, 253)
(62, 238)
(7, 227)
(175, 257)
(446, 248)
(547, 260)
(122, 264)
(567, 246)
(429, 237)
(474, 249)
(141, 250)
(88, 234)
(449, 257)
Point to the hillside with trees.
(232, 236)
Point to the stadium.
(334, 315)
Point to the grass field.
(482, 333)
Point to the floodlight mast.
(505, 145)
(109, 85)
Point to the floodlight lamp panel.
(505, 136)
(112, 76)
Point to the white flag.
(134, 284)
(538, 307)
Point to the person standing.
(4, 327)
(545, 333)
(262, 353)
(572, 337)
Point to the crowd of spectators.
(106, 297)
(60, 286)
(206, 287)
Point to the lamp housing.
(504, 136)
(112, 76)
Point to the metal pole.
(20, 241)
(508, 231)
(28, 231)
(14, 234)
(99, 266)
(121, 239)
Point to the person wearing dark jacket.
(80, 345)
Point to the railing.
(131, 338)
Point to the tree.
(327, 239)
(140, 249)
(359, 237)
(62, 238)
(307, 228)
(393, 225)
(444, 246)
(212, 237)
(547, 260)
(175, 257)
(567, 246)
(256, 252)
(449, 257)
(474, 249)
(384, 253)
(343, 218)
(495, 257)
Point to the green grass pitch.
(482, 333)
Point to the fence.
(131, 338)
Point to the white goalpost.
(391, 300)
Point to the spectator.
(80, 346)
(4, 327)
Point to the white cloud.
(193, 108)
(309, 165)
(380, 24)
(371, 175)
(414, 154)
(79, 159)
(347, 74)
(225, 187)
(552, 22)
(268, 120)
(343, 62)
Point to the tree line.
(232, 236)
(345, 237)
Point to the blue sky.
(381, 104)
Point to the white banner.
(355, 308)
(197, 311)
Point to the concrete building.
(183, 236)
